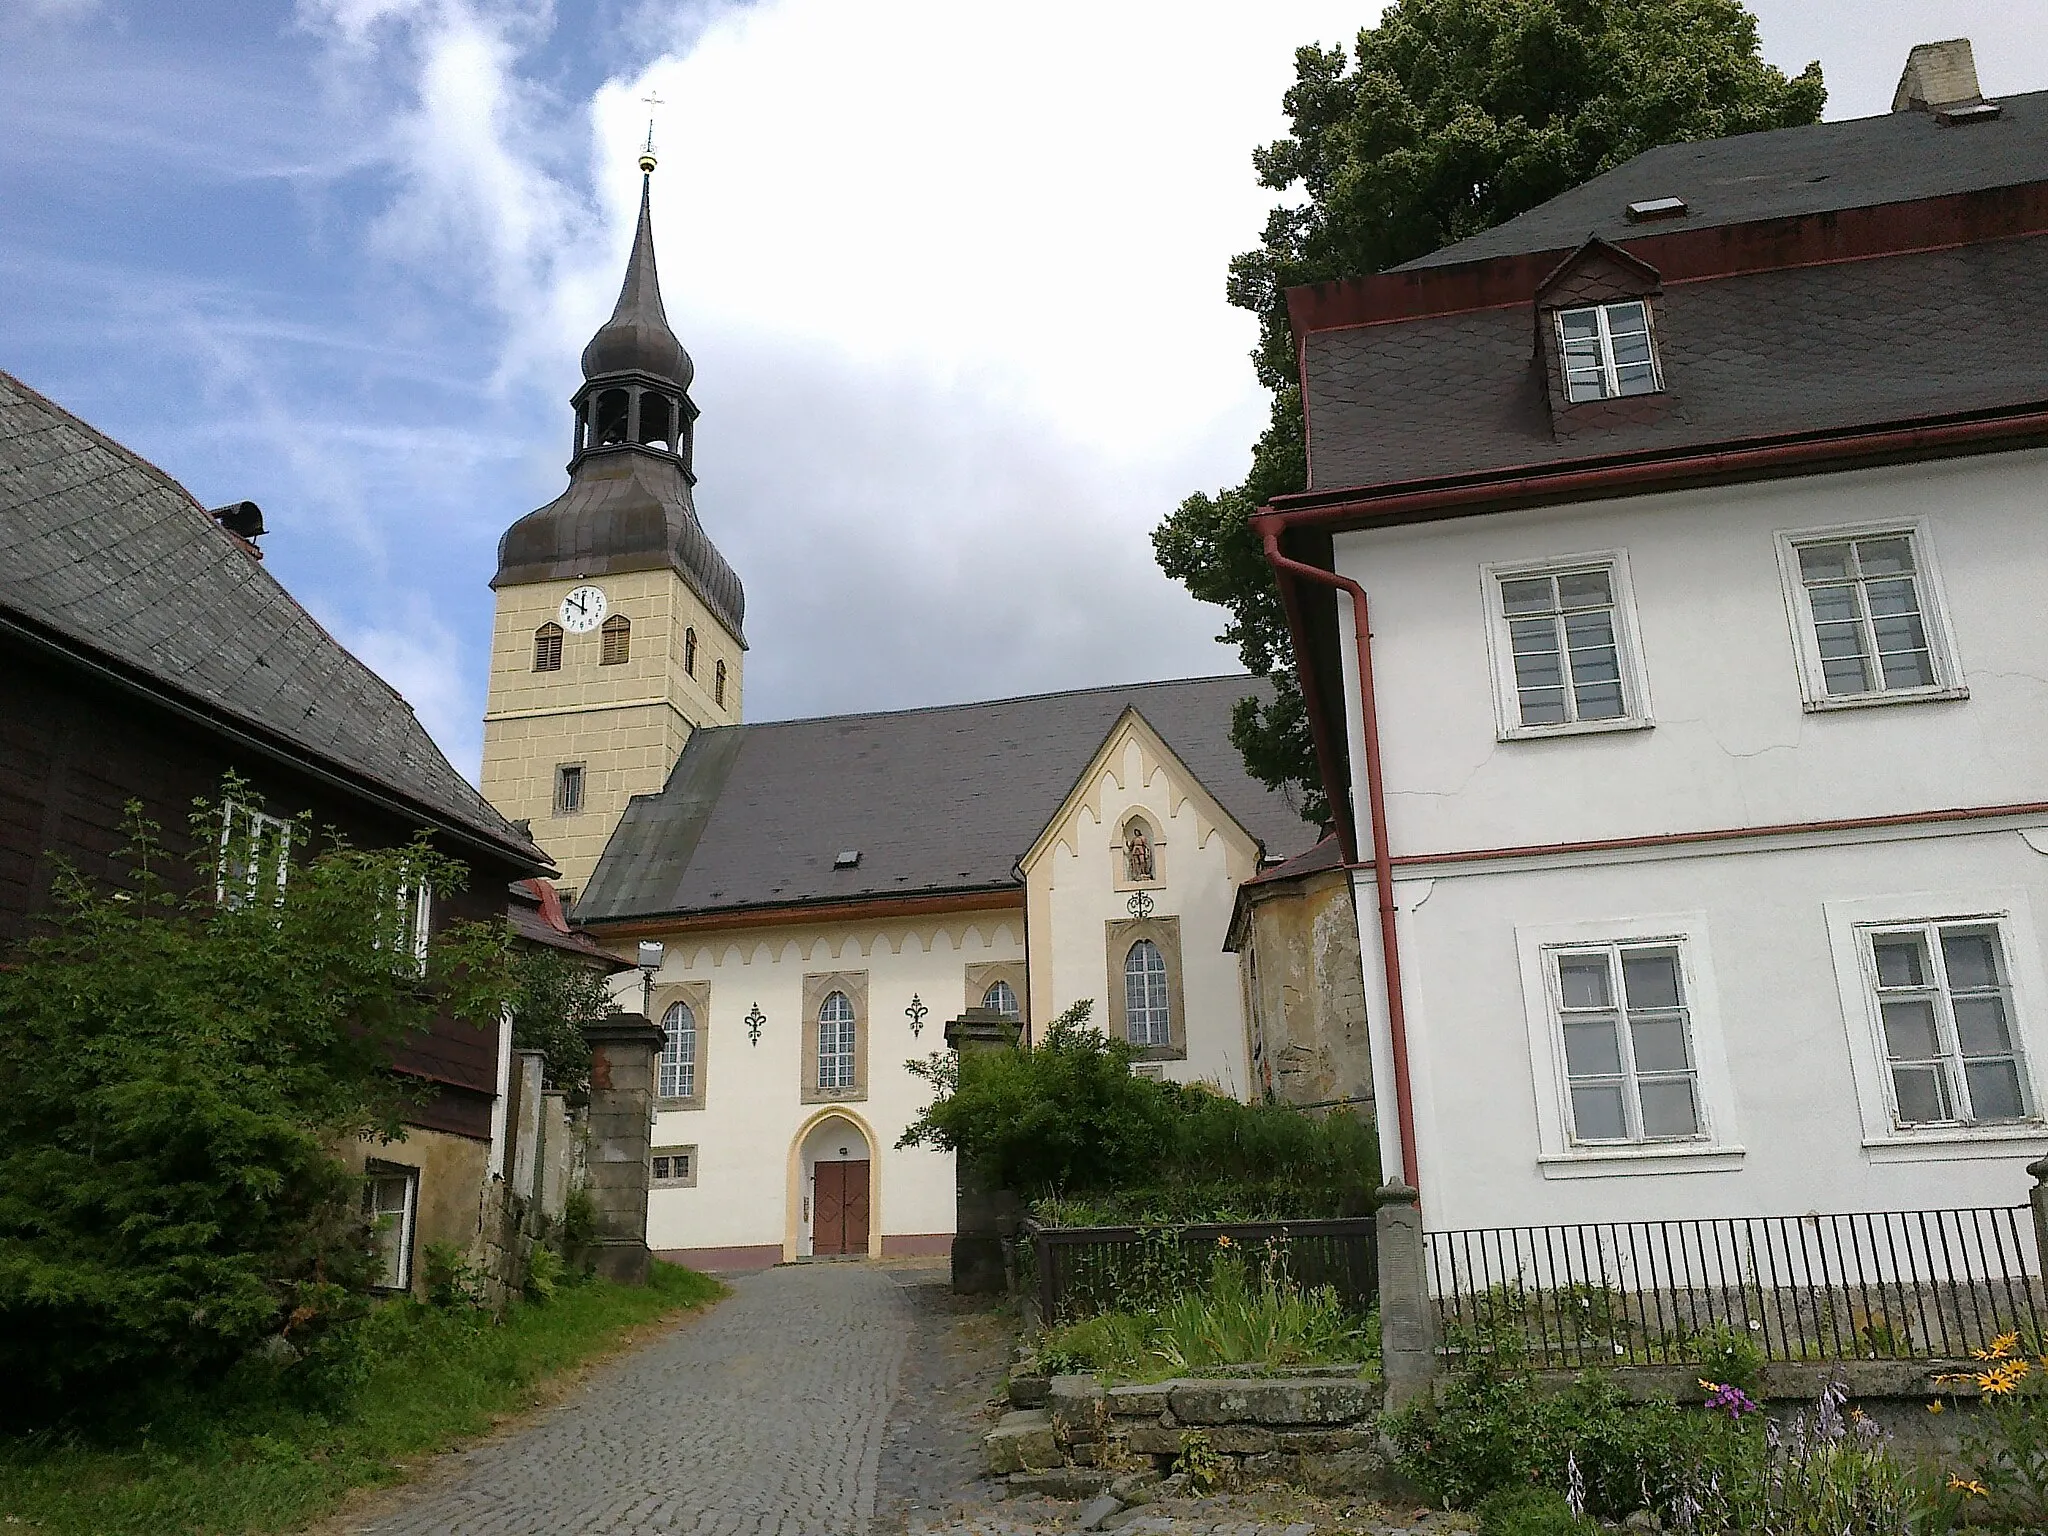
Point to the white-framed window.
(679, 1052)
(1867, 615)
(1607, 351)
(835, 1042)
(391, 1199)
(1625, 1048)
(1941, 995)
(255, 855)
(1148, 1018)
(675, 1167)
(1626, 1031)
(1566, 657)
(1001, 998)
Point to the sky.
(952, 275)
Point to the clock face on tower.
(584, 609)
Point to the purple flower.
(1729, 1399)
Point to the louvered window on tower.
(547, 648)
(718, 686)
(690, 651)
(616, 641)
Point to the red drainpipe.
(1382, 856)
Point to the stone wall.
(1319, 1430)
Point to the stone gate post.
(622, 1052)
(1407, 1319)
(982, 1216)
(2037, 1197)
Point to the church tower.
(619, 625)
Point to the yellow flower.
(1709, 1386)
(2002, 1378)
(1223, 1241)
(1937, 1406)
(1968, 1485)
(2004, 1344)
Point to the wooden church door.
(840, 1219)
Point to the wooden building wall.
(74, 751)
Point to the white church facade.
(827, 893)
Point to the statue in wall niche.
(1138, 853)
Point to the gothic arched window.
(690, 651)
(1146, 1018)
(616, 641)
(547, 648)
(1001, 998)
(835, 1042)
(679, 1052)
(718, 686)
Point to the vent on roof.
(1970, 112)
(847, 858)
(243, 521)
(1656, 208)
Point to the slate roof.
(936, 801)
(1799, 349)
(115, 558)
(1825, 167)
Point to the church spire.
(637, 338)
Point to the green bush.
(1531, 1512)
(1068, 1124)
(175, 1074)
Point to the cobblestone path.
(763, 1418)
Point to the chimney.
(1941, 79)
(241, 521)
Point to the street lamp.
(650, 961)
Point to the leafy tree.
(177, 1075)
(553, 998)
(1070, 1119)
(1448, 117)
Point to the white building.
(1705, 762)
(829, 892)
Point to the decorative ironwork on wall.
(754, 1020)
(1140, 904)
(916, 1014)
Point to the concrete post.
(982, 1217)
(552, 1185)
(2037, 1197)
(523, 1156)
(1407, 1318)
(622, 1051)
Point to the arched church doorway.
(838, 1188)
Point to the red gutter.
(1353, 509)
(1376, 802)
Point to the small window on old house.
(1564, 643)
(1871, 627)
(568, 789)
(1001, 998)
(718, 686)
(547, 648)
(615, 641)
(1607, 351)
(1945, 1006)
(255, 855)
(690, 651)
(390, 1207)
(675, 1167)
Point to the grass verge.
(435, 1378)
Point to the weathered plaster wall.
(452, 1184)
(1301, 969)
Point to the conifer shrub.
(178, 1072)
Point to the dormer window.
(1607, 351)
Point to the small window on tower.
(568, 789)
(690, 651)
(718, 686)
(616, 641)
(547, 648)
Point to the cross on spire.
(647, 152)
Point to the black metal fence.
(1076, 1271)
(1892, 1285)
